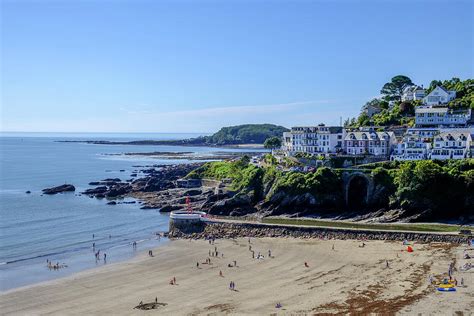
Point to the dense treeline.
(444, 189)
(245, 134)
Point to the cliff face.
(412, 191)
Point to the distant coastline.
(183, 142)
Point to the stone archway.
(358, 189)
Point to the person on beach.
(332, 246)
(235, 263)
(220, 273)
(174, 280)
(269, 253)
(93, 236)
(105, 256)
(156, 299)
(197, 265)
(387, 265)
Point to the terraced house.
(369, 143)
(452, 144)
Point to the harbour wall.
(229, 230)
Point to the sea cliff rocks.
(59, 189)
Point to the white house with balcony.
(415, 145)
(369, 143)
(313, 139)
(439, 96)
(413, 93)
(452, 144)
(426, 116)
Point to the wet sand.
(348, 279)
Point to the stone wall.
(234, 230)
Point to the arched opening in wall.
(357, 193)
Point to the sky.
(196, 66)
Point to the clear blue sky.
(195, 66)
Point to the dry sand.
(345, 280)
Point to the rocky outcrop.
(237, 205)
(60, 189)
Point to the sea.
(62, 228)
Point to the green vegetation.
(464, 91)
(245, 177)
(244, 134)
(272, 142)
(443, 188)
(354, 225)
(325, 181)
(393, 90)
(402, 113)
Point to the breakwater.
(239, 229)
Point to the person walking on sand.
(387, 265)
(332, 246)
(197, 265)
(269, 253)
(174, 280)
(156, 299)
(220, 273)
(105, 256)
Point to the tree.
(393, 90)
(272, 142)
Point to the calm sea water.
(60, 228)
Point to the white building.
(438, 96)
(369, 143)
(452, 144)
(415, 145)
(313, 139)
(413, 93)
(441, 117)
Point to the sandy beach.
(346, 279)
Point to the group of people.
(55, 266)
(97, 255)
